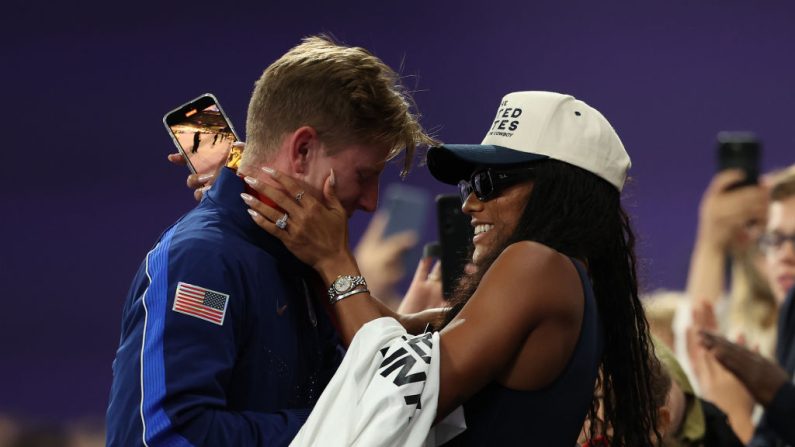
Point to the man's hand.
(762, 377)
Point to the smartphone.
(203, 134)
(739, 150)
(455, 241)
(407, 209)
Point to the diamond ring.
(282, 222)
(299, 196)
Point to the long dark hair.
(580, 215)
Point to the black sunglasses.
(488, 183)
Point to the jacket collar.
(225, 194)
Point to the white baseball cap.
(532, 126)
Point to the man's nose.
(368, 201)
(787, 250)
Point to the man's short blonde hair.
(345, 93)
(783, 184)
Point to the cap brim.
(452, 163)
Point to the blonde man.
(224, 337)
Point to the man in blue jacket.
(225, 339)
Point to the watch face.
(342, 284)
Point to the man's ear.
(303, 145)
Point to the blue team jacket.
(248, 374)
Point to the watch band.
(336, 298)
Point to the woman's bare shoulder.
(533, 260)
(527, 286)
(533, 279)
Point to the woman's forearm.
(705, 279)
(355, 311)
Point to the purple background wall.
(87, 187)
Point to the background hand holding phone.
(380, 257)
(205, 140)
(730, 216)
(739, 150)
(735, 204)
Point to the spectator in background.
(20, 432)
(738, 376)
(662, 308)
(693, 421)
(730, 222)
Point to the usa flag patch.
(201, 303)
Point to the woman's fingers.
(330, 191)
(291, 187)
(279, 197)
(262, 210)
(267, 225)
(314, 233)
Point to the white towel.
(383, 394)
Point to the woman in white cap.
(554, 304)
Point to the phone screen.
(203, 134)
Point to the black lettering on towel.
(419, 349)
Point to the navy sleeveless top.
(551, 416)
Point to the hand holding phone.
(202, 133)
(739, 150)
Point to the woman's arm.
(529, 285)
(531, 294)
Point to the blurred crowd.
(16, 432)
(725, 339)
